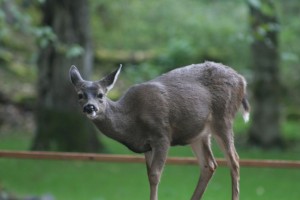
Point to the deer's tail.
(246, 109)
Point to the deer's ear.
(75, 76)
(109, 81)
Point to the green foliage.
(16, 43)
(263, 5)
(178, 53)
(183, 32)
(178, 32)
(290, 53)
(44, 35)
(145, 71)
(74, 51)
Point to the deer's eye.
(80, 96)
(100, 95)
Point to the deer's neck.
(114, 122)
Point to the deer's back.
(184, 100)
(214, 84)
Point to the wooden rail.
(138, 159)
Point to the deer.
(185, 106)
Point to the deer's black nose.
(89, 108)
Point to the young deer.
(184, 106)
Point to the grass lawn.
(96, 181)
(74, 180)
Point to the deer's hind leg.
(202, 150)
(223, 134)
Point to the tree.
(60, 124)
(265, 127)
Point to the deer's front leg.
(155, 161)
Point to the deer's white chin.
(92, 115)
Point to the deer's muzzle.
(89, 109)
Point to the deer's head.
(92, 94)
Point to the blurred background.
(41, 39)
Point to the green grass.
(91, 181)
(78, 180)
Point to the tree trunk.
(265, 128)
(60, 124)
